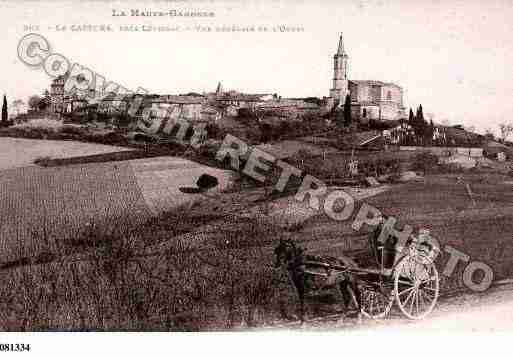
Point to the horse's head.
(286, 252)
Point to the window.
(389, 96)
(364, 113)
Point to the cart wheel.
(416, 286)
(375, 303)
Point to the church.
(370, 99)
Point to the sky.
(453, 57)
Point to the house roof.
(170, 99)
(175, 99)
(364, 103)
(242, 97)
(289, 103)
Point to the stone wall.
(473, 152)
(389, 110)
(392, 93)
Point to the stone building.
(61, 102)
(370, 99)
(57, 105)
(173, 107)
(239, 100)
(288, 108)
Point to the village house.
(114, 104)
(234, 100)
(289, 108)
(175, 107)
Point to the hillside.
(118, 246)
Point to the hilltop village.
(370, 109)
(370, 100)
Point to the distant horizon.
(454, 59)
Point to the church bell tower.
(340, 81)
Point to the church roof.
(284, 103)
(373, 83)
(243, 97)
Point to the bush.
(43, 161)
(73, 130)
(43, 124)
(425, 162)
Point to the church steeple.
(219, 89)
(340, 79)
(341, 50)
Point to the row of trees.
(16, 107)
(424, 130)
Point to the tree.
(5, 116)
(506, 129)
(489, 134)
(347, 112)
(430, 131)
(17, 106)
(34, 102)
(420, 125)
(411, 118)
(420, 114)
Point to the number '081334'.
(14, 347)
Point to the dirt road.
(491, 311)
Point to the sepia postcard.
(298, 178)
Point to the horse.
(301, 269)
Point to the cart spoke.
(417, 301)
(430, 279)
(421, 296)
(376, 303)
(404, 282)
(428, 298)
(412, 300)
(406, 290)
(408, 298)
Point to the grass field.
(21, 152)
(441, 203)
(91, 246)
(58, 203)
